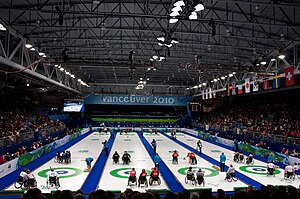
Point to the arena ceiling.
(109, 44)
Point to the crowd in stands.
(13, 125)
(265, 118)
(265, 192)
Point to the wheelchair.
(297, 173)
(126, 161)
(190, 178)
(271, 172)
(132, 181)
(116, 161)
(249, 161)
(241, 159)
(52, 182)
(200, 180)
(194, 161)
(57, 159)
(236, 158)
(143, 182)
(175, 160)
(154, 179)
(231, 177)
(289, 176)
(19, 184)
(30, 184)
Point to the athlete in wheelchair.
(132, 178)
(230, 175)
(30, 181)
(68, 157)
(236, 156)
(241, 158)
(270, 169)
(289, 173)
(190, 176)
(52, 180)
(192, 158)
(249, 159)
(154, 177)
(296, 170)
(143, 179)
(175, 157)
(57, 158)
(126, 158)
(116, 158)
(21, 179)
(200, 177)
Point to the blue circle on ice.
(259, 169)
(62, 172)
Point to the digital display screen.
(73, 106)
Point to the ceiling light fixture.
(174, 14)
(32, 49)
(161, 38)
(179, 3)
(2, 27)
(193, 16)
(273, 59)
(177, 9)
(28, 45)
(281, 56)
(230, 75)
(199, 6)
(263, 63)
(173, 20)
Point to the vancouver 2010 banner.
(137, 100)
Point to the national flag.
(233, 88)
(210, 93)
(266, 83)
(240, 87)
(289, 76)
(214, 94)
(276, 81)
(255, 86)
(247, 85)
(228, 89)
(203, 96)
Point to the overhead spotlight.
(218, 79)
(204, 84)
(169, 45)
(215, 80)
(174, 41)
(193, 16)
(61, 69)
(27, 84)
(151, 60)
(56, 65)
(67, 72)
(257, 64)
(73, 76)
(195, 87)
(79, 80)
(160, 44)
(212, 81)
(179, 3)
(28, 45)
(177, 9)
(222, 78)
(149, 68)
(155, 56)
(154, 69)
(161, 38)
(173, 20)
(174, 14)
(281, 56)
(44, 56)
(263, 63)
(187, 88)
(273, 59)
(148, 79)
(162, 58)
(200, 85)
(141, 78)
(2, 27)
(41, 54)
(198, 5)
(32, 49)
(230, 75)
(234, 73)
(282, 38)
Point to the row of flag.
(235, 88)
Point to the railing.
(14, 139)
(254, 135)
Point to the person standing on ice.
(222, 162)
(157, 161)
(153, 143)
(199, 146)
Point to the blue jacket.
(89, 160)
(222, 158)
(156, 159)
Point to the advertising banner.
(113, 99)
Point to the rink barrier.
(229, 147)
(92, 180)
(11, 194)
(170, 179)
(239, 175)
(12, 177)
